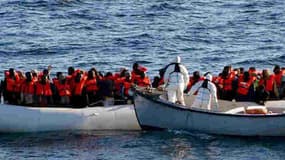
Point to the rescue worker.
(207, 94)
(28, 90)
(176, 79)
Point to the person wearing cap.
(207, 94)
(176, 79)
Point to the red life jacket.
(28, 88)
(91, 85)
(63, 89)
(268, 84)
(243, 87)
(13, 85)
(227, 84)
(78, 87)
(43, 89)
(145, 82)
(278, 79)
(127, 86)
(119, 82)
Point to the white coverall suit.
(176, 82)
(206, 97)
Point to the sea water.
(110, 34)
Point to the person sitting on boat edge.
(176, 79)
(207, 94)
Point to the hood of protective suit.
(177, 59)
(209, 77)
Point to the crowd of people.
(81, 88)
(231, 84)
(78, 88)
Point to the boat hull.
(36, 119)
(155, 113)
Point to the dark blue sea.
(110, 34)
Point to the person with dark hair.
(267, 88)
(244, 87)
(207, 94)
(78, 91)
(91, 87)
(12, 83)
(63, 90)
(28, 90)
(106, 89)
(44, 92)
(196, 77)
(228, 78)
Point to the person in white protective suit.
(207, 94)
(176, 79)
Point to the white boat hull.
(155, 113)
(36, 119)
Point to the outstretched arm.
(195, 88)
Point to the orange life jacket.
(43, 89)
(119, 82)
(278, 79)
(268, 84)
(243, 87)
(127, 86)
(91, 85)
(63, 89)
(78, 87)
(13, 84)
(143, 82)
(28, 88)
(227, 84)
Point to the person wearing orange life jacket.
(106, 89)
(244, 87)
(282, 87)
(196, 77)
(63, 89)
(143, 80)
(91, 87)
(119, 79)
(78, 90)
(44, 92)
(28, 90)
(137, 69)
(126, 89)
(267, 88)
(278, 74)
(12, 81)
(228, 77)
(158, 81)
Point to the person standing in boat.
(207, 94)
(176, 79)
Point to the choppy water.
(109, 34)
